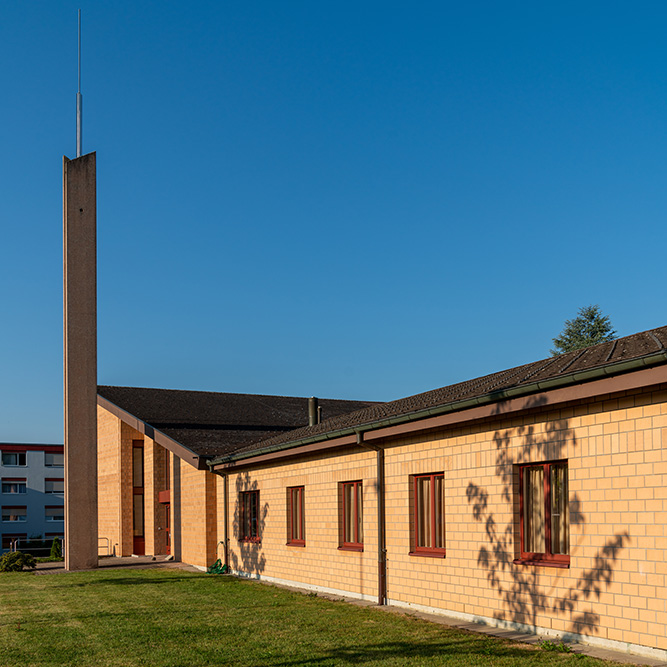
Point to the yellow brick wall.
(616, 586)
(127, 435)
(198, 516)
(320, 562)
(108, 479)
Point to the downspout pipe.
(382, 543)
(226, 504)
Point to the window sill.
(542, 563)
(426, 554)
(250, 540)
(295, 544)
(351, 547)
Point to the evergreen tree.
(56, 550)
(590, 327)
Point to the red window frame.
(249, 514)
(296, 527)
(547, 557)
(353, 541)
(434, 527)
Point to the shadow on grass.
(123, 581)
(477, 650)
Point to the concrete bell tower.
(80, 360)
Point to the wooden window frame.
(547, 558)
(432, 552)
(356, 544)
(296, 535)
(245, 514)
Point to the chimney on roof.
(313, 411)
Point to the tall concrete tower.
(80, 338)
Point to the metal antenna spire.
(79, 103)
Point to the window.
(13, 458)
(55, 513)
(544, 513)
(54, 486)
(11, 514)
(352, 531)
(138, 538)
(9, 539)
(11, 485)
(54, 460)
(429, 514)
(249, 506)
(296, 523)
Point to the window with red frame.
(249, 505)
(544, 513)
(429, 514)
(296, 522)
(352, 532)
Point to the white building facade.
(31, 492)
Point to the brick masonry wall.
(320, 562)
(615, 587)
(108, 478)
(198, 516)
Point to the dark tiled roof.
(599, 356)
(212, 423)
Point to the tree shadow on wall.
(525, 592)
(248, 557)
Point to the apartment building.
(31, 492)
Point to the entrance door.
(167, 529)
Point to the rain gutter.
(578, 377)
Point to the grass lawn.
(163, 617)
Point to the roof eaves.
(577, 377)
(184, 453)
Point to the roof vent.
(313, 411)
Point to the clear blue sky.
(342, 199)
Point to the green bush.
(56, 550)
(15, 561)
(549, 645)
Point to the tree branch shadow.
(249, 559)
(523, 589)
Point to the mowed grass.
(168, 617)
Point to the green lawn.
(163, 617)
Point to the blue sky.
(341, 199)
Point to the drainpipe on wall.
(226, 510)
(382, 549)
